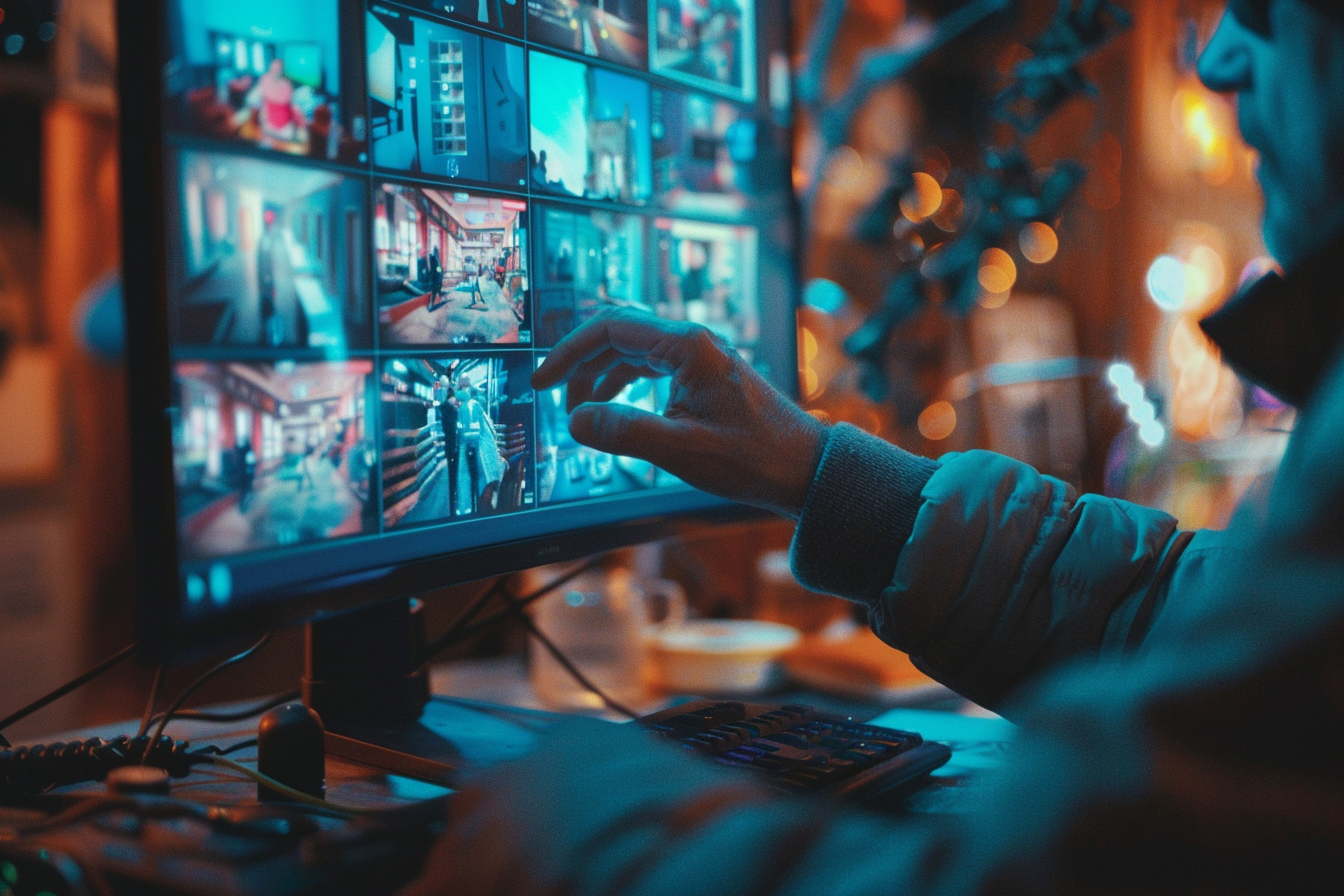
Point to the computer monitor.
(353, 229)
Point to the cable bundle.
(28, 771)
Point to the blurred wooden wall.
(82, 244)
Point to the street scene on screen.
(590, 131)
(271, 455)
(451, 267)
(706, 43)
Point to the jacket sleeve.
(985, 571)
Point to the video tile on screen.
(504, 16)
(703, 150)
(616, 30)
(590, 131)
(451, 267)
(444, 102)
(272, 455)
(587, 259)
(709, 274)
(569, 471)
(268, 254)
(274, 75)
(706, 43)
(458, 441)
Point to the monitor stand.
(364, 675)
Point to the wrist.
(797, 465)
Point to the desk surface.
(977, 743)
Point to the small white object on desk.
(722, 656)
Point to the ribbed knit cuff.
(859, 513)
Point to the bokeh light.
(1038, 242)
(826, 296)
(937, 164)
(1255, 269)
(998, 271)
(1205, 125)
(810, 347)
(844, 167)
(938, 421)
(811, 382)
(923, 199)
(1166, 282)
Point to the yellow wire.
(297, 795)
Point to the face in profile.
(1284, 61)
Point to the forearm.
(983, 570)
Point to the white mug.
(602, 622)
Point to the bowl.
(720, 656)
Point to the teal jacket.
(1179, 697)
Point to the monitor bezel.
(164, 632)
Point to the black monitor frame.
(164, 632)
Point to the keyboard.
(796, 749)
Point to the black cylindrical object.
(291, 748)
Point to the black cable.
(241, 745)
(520, 602)
(222, 751)
(147, 717)
(64, 689)
(236, 715)
(449, 636)
(192, 688)
(516, 606)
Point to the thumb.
(621, 429)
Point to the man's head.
(1284, 59)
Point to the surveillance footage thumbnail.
(457, 438)
(615, 30)
(445, 102)
(709, 44)
(504, 16)
(588, 259)
(267, 254)
(271, 455)
(569, 471)
(703, 152)
(706, 273)
(273, 75)
(451, 267)
(590, 131)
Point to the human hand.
(725, 429)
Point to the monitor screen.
(363, 226)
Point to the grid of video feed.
(381, 216)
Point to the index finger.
(642, 339)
